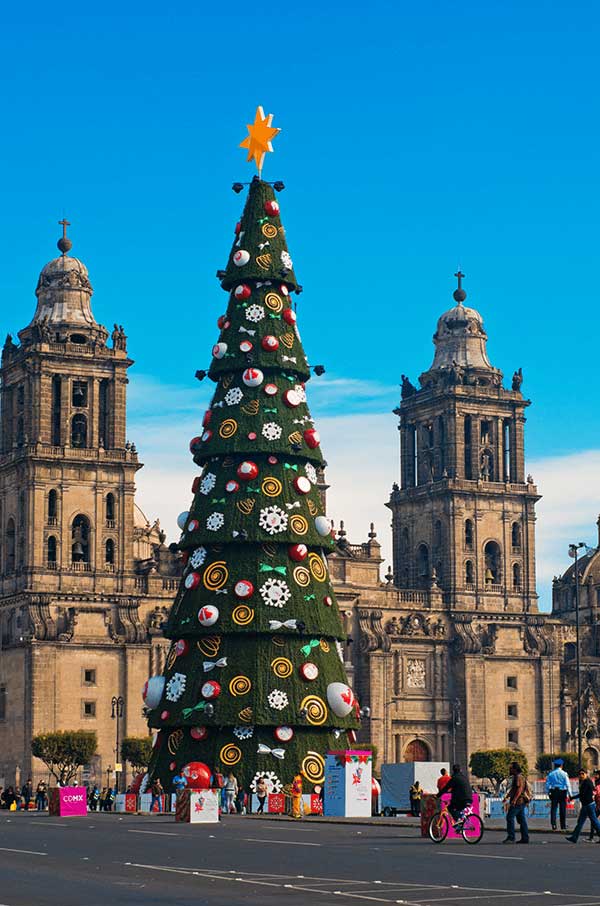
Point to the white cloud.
(362, 452)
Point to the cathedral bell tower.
(464, 514)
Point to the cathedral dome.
(460, 338)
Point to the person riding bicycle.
(461, 793)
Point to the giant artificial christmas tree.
(254, 680)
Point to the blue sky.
(415, 137)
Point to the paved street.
(114, 860)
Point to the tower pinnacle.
(459, 293)
(64, 243)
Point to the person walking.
(261, 794)
(518, 799)
(157, 793)
(558, 787)
(596, 782)
(297, 796)
(588, 806)
(94, 798)
(415, 793)
(442, 780)
(27, 793)
(231, 789)
(461, 794)
(40, 796)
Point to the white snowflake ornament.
(175, 687)
(198, 557)
(215, 521)
(272, 431)
(301, 392)
(255, 313)
(207, 483)
(275, 592)
(273, 520)
(234, 396)
(286, 260)
(311, 472)
(277, 700)
(243, 732)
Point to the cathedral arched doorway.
(591, 758)
(417, 750)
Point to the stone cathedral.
(449, 651)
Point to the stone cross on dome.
(459, 293)
(64, 243)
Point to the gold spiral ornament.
(246, 715)
(230, 754)
(287, 339)
(209, 645)
(324, 646)
(264, 261)
(251, 407)
(278, 641)
(226, 381)
(298, 524)
(242, 615)
(269, 230)
(274, 302)
(313, 509)
(174, 741)
(271, 487)
(302, 576)
(171, 657)
(317, 567)
(282, 667)
(313, 767)
(216, 575)
(269, 550)
(245, 506)
(228, 428)
(316, 710)
(295, 437)
(228, 462)
(240, 685)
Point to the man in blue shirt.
(179, 783)
(558, 787)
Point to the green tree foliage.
(494, 764)
(64, 752)
(255, 675)
(137, 750)
(545, 762)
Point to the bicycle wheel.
(438, 828)
(472, 831)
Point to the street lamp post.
(456, 722)
(574, 552)
(117, 703)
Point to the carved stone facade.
(85, 579)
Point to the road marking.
(280, 842)
(45, 823)
(491, 895)
(29, 852)
(156, 833)
(477, 856)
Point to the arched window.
(423, 562)
(109, 551)
(110, 508)
(469, 573)
(52, 507)
(51, 552)
(516, 536)
(493, 563)
(10, 546)
(516, 576)
(442, 440)
(469, 533)
(80, 540)
(79, 430)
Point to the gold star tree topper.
(258, 140)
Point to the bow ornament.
(267, 409)
(201, 706)
(243, 329)
(220, 591)
(218, 405)
(288, 358)
(265, 750)
(274, 317)
(210, 665)
(291, 506)
(290, 465)
(306, 649)
(265, 568)
(263, 283)
(218, 500)
(288, 624)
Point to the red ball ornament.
(351, 736)
(251, 435)
(328, 601)
(309, 671)
(302, 484)
(164, 715)
(232, 486)
(206, 436)
(242, 291)
(247, 470)
(272, 208)
(181, 647)
(284, 290)
(195, 444)
(272, 460)
(219, 350)
(270, 389)
(246, 346)
(192, 581)
(252, 377)
(196, 484)
(311, 438)
(297, 552)
(243, 589)
(292, 398)
(269, 343)
(192, 525)
(210, 689)
(238, 227)
(199, 733)
(222, 322)
(198, 775)
(172, 766)
(206, 418)
(289, 316)
(283, 734)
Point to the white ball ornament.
(292, 398)
(153, 690)
(208, 615)
(302, 484)
(219, 350)
(253, 377)
(241, 257)
(323, 526)
(182, 519)
(340, 698)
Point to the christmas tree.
(254, 680)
